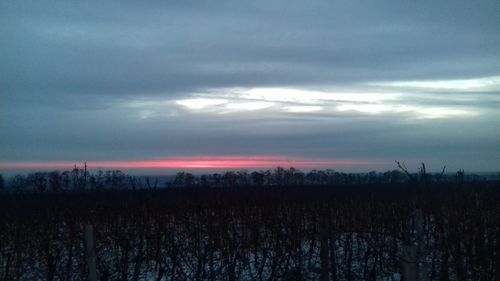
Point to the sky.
(184, 85)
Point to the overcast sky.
(351, 85)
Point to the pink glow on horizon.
(201, 162)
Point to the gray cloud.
(70, 71)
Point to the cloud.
(133, 81)
(286, 100)
(483, 84)
(200, 103)
(172, 49)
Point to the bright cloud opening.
(242, 106)
(299, 101)
(311, 97)
(365, 108)
(201, 103)
(442, 113)
(298, 109)
(479, 84)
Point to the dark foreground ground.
(328, 233)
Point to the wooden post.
(323, 253)
(413, 263)
(422, 265)
(90, 255)
(409, 263)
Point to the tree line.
(76, 179)
(81, 179)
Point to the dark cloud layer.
(85, 79)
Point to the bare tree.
(2, 183)
(55, 183)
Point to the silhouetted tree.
(372, 177)
(204, 181)
(183, 179)
(268, 178)
(257, 178)
(179, 180)
(217, 180)
(117, 180)
(66, 180)
(392, 177)
(92, 182)
(151, 186)
(18, 183)
(229, 178)
(404, 169)
(133, 182)
(189, 180)
(312, 177)
(100, 180)
(460, 177)
(76, 178)
(38, 181)
(279, 176)
(55, 182)
(243, 178)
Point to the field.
(355, 232)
